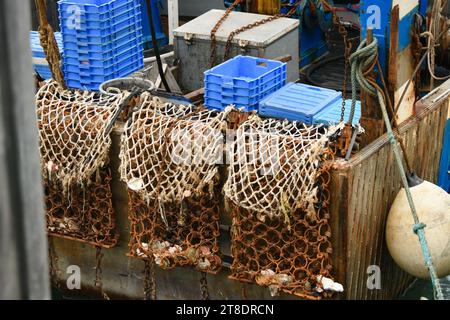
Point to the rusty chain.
(213, 57)
(98, 281)
(53, 263)
(254, 25)
(149, 279)
(204, 286)
(347, 52)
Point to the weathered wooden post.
(23, 242)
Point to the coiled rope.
(361, 62)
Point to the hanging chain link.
(98, 282)
(149, 280)
(244, 291)
(53, 263)
(347, 52)
(256, 24)
(204, 286)
(213, 57)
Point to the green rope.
(361, 60)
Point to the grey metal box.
(271, 40)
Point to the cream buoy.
(433, 209)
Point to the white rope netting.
(275, 166)
(170, 152)
(72, 131)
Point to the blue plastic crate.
(69, 9)
(298, 102)
(93, 82)
(104, 60)
(94, 6)
(115, 39)
(131, 15)
(98, 48)
(104, 67)
(102, 29)
(243, 81)
(81, 19)
(332, 113)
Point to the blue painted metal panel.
(423, 5)
(444, 175)
(377, 14)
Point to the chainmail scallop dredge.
(169, 160)
(74, 147)
(277, 188)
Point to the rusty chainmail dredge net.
(74, 148)
(169, 156)
(278, 187)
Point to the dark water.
(422, 288)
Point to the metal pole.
(23, 242)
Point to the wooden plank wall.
(364, 189)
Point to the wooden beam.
(393, 52)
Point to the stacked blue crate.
(40, 64)
(102, 40)
(298, 102)
(243, 82)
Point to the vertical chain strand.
(204, 286)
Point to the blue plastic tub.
(298, 102)
(95, 51)
(92, 6)
(102, 40)
(103, 67)
(115, 39)
(243, 81)
(102, 29)
(69, 9)
(92, 82)
(104, 60)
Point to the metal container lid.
(261, 36)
